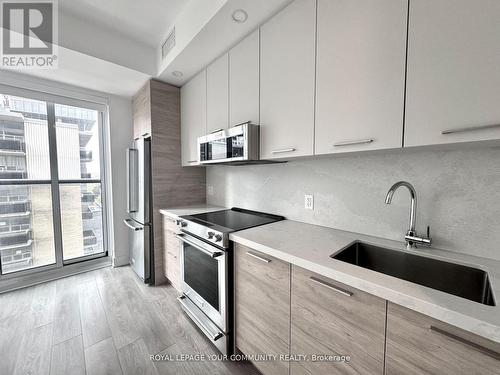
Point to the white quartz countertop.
(311, 246)
(175, 212)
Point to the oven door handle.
(212, 254)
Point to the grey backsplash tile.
(458, 194)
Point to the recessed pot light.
(239, 16)
(176, 73)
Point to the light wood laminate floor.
(101, 322)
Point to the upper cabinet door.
(244, 81)
(361, 52)
(141, 105)
(287, 54)
(193, 117)
(217, 94)
(453, 86)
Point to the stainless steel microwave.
(239, 144)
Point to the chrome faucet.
(411, 237)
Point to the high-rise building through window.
(27, 176)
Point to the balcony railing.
(89, 238)
(88, 197)
(12, 173)
(14, 227)
(85, 137)
(87, 215)
(10, 127)
(15, 239)
(85, 156)
(15, 259)
(12, 208)
(86, 126)
(12, 145)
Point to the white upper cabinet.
(244, 81)
(287, 54)
(453, 84)
(193, 117)
(361, 52)
(218, 94)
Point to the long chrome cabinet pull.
(253, 255)
(473, 345)
(470, 129)
(351, 143)
(283, 150)
(192, 161)
(330, 286)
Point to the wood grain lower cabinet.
(329, 318)
(171, 255)
(418, 344)
(262, 307)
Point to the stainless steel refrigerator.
(139, 209)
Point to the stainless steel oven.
(240, 143)
(204, 284)
(207, 269)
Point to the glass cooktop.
(234, 219)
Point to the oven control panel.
(201, 231)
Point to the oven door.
(204, 278)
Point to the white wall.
(120, 133)
(458, 194)
(106, 44)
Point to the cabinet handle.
(282, 150)
(459, 339)
(469, 129)
(351, 143)
(192, 161)
(253, 255)
(330, 286)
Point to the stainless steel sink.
(459, 280)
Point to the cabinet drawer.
(418, 344)
(334, 319)
(262, 307)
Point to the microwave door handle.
(212, 254)
(132, 155)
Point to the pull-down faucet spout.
(411, 237)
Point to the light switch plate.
(308, 202)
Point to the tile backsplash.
(458, 194)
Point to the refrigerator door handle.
(132, 180)
(128, 223)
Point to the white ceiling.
(146, 21)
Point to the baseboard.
(121, 261)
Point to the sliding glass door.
(51, 205)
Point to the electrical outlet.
(210, 190)
(308, 202)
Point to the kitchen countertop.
(311, 246)
(175, 212)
